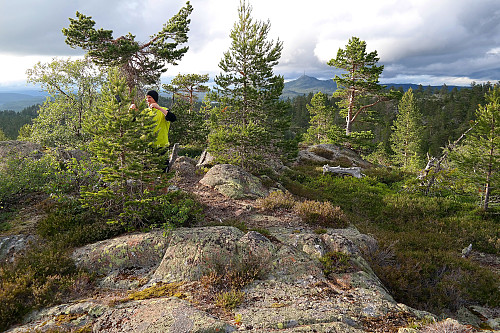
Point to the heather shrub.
(232, 271)
(321, 213)
(43, 276)
(276, 200)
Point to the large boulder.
(234, 182)
(332, 155)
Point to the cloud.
(414, 38)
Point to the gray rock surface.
(234, 182)
(332, 155)
(293, 295)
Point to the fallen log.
(353, 171)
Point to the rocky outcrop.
(332, 155)
(24, 149)
(12, 246)
(234, 182)
(125, 262)
(292, 295)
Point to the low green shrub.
(70, 225)
(145, 210)
(435, 280)
(229, 300)
(25, 175)
(321, 213)
(336, 262)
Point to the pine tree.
(186, 86)
(479, 157)
(247, 124)
(359, 81)
(408, 131)
(122, 146)
(140, 63)
(321, 122)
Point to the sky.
(428, 42)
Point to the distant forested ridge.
(447, 112)
(11, 121)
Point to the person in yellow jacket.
(162, 125)
(159, 113)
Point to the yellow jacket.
(161, 128)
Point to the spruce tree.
(408, 131)
(247, 124)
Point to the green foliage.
(336, 262)
(359, 80)
(478, 158)
(74, 88)
(321, 122)
(229, 300)
(434, 280)
(140, 63)
(247, 120)
(122, 145)
(185, 86)
(3, 137)
(69, 225)
(44, 275)
(407, 136)
(191, 129)
(11, 122)
(21, 176)
(422, 266)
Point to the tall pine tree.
(140, 63)
(359, 81)
(247, 125)
(479, 157)
(408, 131)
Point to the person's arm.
(156, 106)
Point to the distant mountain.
(17, 101)
(413, 86)
(306, 84)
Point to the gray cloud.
(434, 40)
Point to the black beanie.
(153, 94)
